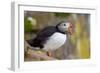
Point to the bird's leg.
(49, 53)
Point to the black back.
(42, 37)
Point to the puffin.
(52, 37)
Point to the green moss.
(27, 25)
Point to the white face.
(64, 26)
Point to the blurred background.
(78, 44)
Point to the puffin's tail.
(30, 44)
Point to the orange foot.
(49, 53)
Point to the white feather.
(55, 41)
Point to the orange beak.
(70, 29)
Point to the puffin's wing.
(42, 36)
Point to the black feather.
(42, 37)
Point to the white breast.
(55, 41)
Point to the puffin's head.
(65, 27)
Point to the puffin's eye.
(64, 24)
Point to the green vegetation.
(27, 25)
(62, 15)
